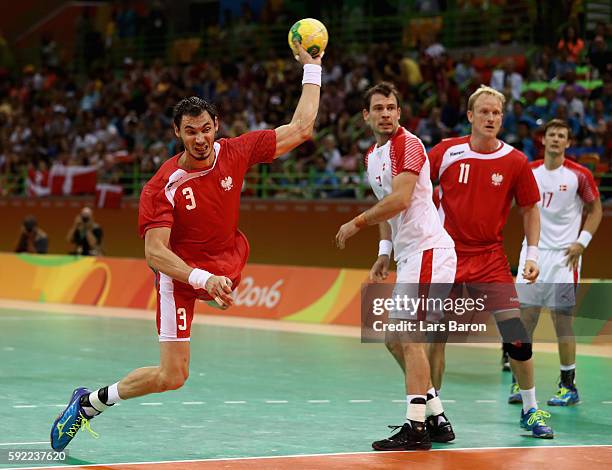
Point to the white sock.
(434, 404)
(570, 367)
(529, 399)
(113, 394)
(416, 406)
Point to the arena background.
(281, 379)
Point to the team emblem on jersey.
(497, 179)
(227, 183)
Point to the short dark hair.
(383, 88)
(558, 123)
(192, 106)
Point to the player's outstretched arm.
(385, 209)
(161, 258)
(531, 225)
(301, 126)
(591, 224)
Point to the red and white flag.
(108, 196)
(38, 183)
(71, 180)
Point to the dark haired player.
(188, 217)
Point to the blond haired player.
(479, 178)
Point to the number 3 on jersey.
(464, 172)
(188, 193)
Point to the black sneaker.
(440, 430)
(411, 436)
(505, 362)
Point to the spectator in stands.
(575, 106)
(571, 43)
(32, 239)
(85, 234)
(332, 155)
(432, 130)
(524, 141)
(465, 72)
(511, 122)
(600, 56)
(506, 80)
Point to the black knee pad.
(513, 330)
(519, 351)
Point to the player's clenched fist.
(220, 289)
(531, 271)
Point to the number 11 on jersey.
(464, 172)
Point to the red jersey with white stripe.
(202, 206)
(418, 228)
(564, 191)
(477, 189)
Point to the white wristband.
(198, 278)
(585, 238)
(385, 247)
(532, 253)
(312, 74)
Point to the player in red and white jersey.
(398, 172)
(479, 177)
(566, 189)
(188, 217)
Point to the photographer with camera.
(31, 238)
(85, 234)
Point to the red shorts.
(175, 305)
(488, 273)
(176, 300)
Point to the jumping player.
(188, 217)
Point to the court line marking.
(270, 457)
(233, 402)
(22, 443)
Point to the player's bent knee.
(519, 352)
(172, 381)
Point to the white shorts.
(556, 283)
(429, 274)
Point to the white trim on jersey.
(463, 151)
(167, 310)
(181, 176)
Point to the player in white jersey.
(566, 188)
(398, 171)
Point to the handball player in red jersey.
(188, 217)
(480, 176)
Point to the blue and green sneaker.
(565, 396)
(515, 394)
(70, 421)
(533, 421)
